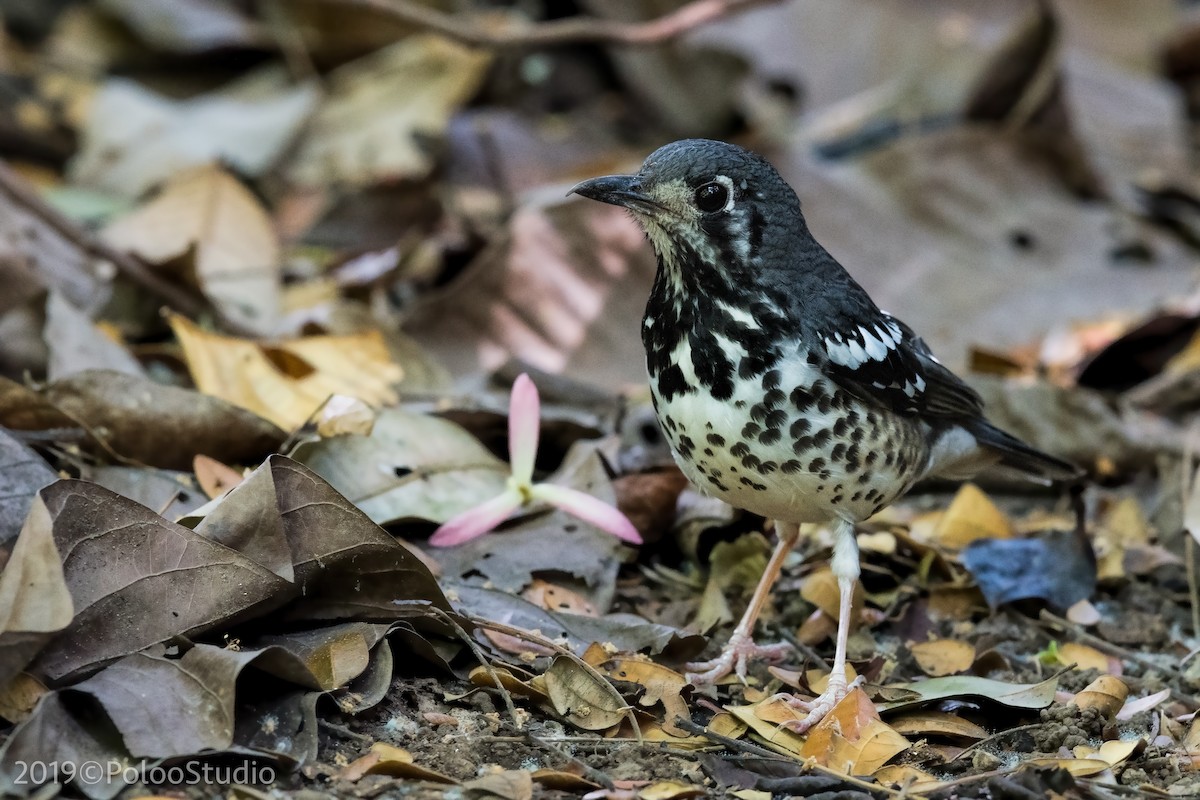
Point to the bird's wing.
(879, 359)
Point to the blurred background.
(1012, 177)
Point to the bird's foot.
(821, 705)
(735, 658)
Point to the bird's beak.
(617, 190)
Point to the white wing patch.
(854, 350)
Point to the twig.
(1103, 646)
(482, 659)
(343, 731)
(572, 30)
(589, 772)
(26, 197)
(809, 764)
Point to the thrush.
(780, 385)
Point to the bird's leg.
(846, 569)
(741, 647)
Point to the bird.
(782, 388)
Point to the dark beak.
(617, 190)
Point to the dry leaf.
(377, 107)
(1085, 657)
(214, 477)
(971, 515)
(943, 656)
(386, 759)
(584, 698)
(661, 684)
(559, 598)
(820, 588)
(852, 738)
(936, 723)
(19, 696)
(1105, 693)
(511, 784)
(288, 381)
(205, 213)
(671, 790)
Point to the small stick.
(572, 30)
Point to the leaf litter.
(367, 221)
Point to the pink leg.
(845, 569)
(741, 647)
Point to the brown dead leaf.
(215, 478)
(558, 598)
(1122, 526)
(971, 515)
(907, 777)
(943, 656)
(671, 790)
(509, 784)
(583, 697)
(386, 759)
(852, 738)
(206, 214)
(936, 723)
(19, 696)
(288, 381)
(1085, 657)
(162, 426)
(1106, 693)
(820, 588)
(661, 685)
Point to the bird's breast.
(785, 442)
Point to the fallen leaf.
(1085, 657)
(821, 589)
(1106, 693)
(22, 473)
(386, 759)
(412, 466)
(558, 598)
(936, 723)
(1134, 707)
(206, 215)
(660, 684)
(35, 600)
(20, 696)
(214, 477)
(1013, 695)
(378, 107)
(671, 790)
(286, 382)
(970, 516)
(141, 420)
(509, 784)
(76, 343)
(943, 656)
(582, 697)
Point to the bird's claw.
(819, 707)
(735, 658)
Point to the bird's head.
(711, 209)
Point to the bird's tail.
(1029, 461)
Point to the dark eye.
(712, 197)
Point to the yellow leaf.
(586, 699)
(287, 382)
(906, 776)
(1105, 693)
(1084, 657)
(821, 589)
(971, 516)
(936, 723)
(1079, 767)
(943, 656)
(671, 790)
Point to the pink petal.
(476, 521)
(524, 418)
(589, 509)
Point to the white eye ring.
(727, 182)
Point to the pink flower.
(524, 420)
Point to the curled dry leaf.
(583, 697)
(1085, 657)
(286, 382)
(1106, 693)
(386, 759)
(214, 477)
(1013, 695)
(509, 784)
(820, 588)
(660, 684)
(936, 723)
(205, 219)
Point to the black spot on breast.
(751, 462)
(776, 419)
(802, 398)
(838, 452)
(865, 477)
(774, 398)
(715, 439)
(671, 382)
(771, 380)
(856, 435)
(854, 498)
(840, 427)
(767, 467)
(758, 412)
(802, 445)
(740, 450)
(824, 403)
(837, 498)
(871, 458)
(708, 451)
(822, 437)
(750, 430)
(739, 403)
(799, 428)
(816, 465)
(771, 436)
(792, 466)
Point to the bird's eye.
(712, 197)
